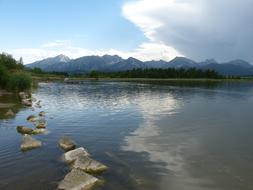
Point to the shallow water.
(151, 136)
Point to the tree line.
(159, 73)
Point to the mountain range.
(110, 63)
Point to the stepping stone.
(89, 165)
(77, 180)
(42, 114)
(39, 131)
(67, 144)
(31, 118)
(29, 143)
(41, 125)
(24, 130)
(72, 155)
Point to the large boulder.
(89, 165)
(10, 113)
(29, 143)
(31, 118)
(24, 130)
(77, 180)
(27, 102)
(23, 95)
(72, 155)
(67, 144)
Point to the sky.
(144, 29)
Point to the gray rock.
(77, 180)
(31, 118)
(24, 130)
(72, 155)
(67, 144)
(29, 143)
(42, 114)
(89, 165)
(10, 113)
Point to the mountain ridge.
(113, 63)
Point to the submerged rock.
(42, 114)
(37, 104)
(29, 143)
(31, 118)
(72, 155)
(10, 113)
(33, 99)
(24, 130)
(89, 165)
(67, 144)
(77, 180)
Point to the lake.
(163, 137)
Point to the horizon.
(128, 28)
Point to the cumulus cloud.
(199, 29)
(146, 51)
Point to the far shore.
(82, 79)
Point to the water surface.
(151, 136)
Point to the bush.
(3, 76)
(19, 82)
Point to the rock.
(89, 165)
(31, 118)
(77, 180)
(29, 143)
(39, 131)
(67, 144)
(40, 123)
(33, 99)
(42, 114)
(10, 113)
(23, 95)
(41, 126)
(24, 130)
(72, 155)
(26, 102)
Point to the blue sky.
(144, 29)
(87, 23)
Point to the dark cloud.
(199, 29)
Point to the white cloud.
(199, 29)
(146, 51)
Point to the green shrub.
(3, 76)
(19, 82)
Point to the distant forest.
(159, 73)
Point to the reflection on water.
(151, 136)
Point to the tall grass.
(12, 74)
(19, 82)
